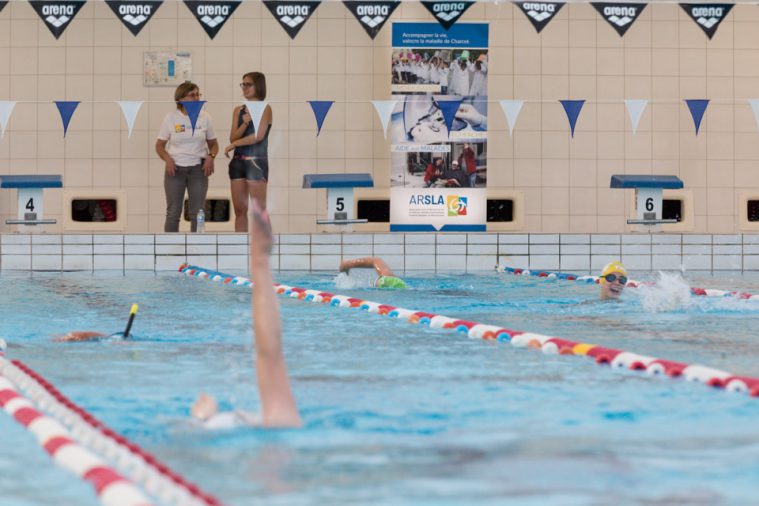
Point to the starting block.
(339, 195)
(30, 202)
(648, 196)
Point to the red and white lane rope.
(550, 275)
(112, 488)
(548, 344)
(70, 447)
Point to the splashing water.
(357, 278)
(670, 293)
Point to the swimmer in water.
(385, 276)
(612, 280)
(88, 335)
(278, 408)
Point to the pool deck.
(438, 252)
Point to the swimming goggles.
(611, 278)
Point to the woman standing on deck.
(249, 168)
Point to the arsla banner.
(372, 15)
(707, 16)
(620, 16)
(57, 14)
(540, 13)
(212, 15)
(135, 14)
(292, 15)
(439, 127)
(447, 12)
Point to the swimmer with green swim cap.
(385, 276)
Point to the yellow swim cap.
(614, 266)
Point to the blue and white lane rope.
(550, 275)
(548, 344)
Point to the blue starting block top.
(31, 181)
(629, 181)
(338, 181)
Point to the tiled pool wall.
(439, 252)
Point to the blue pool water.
(397, 413)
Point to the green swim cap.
(390, 282)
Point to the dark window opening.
(216, 210)
(672, 209)
(94, 210)
(753, 210)
(500, 210)
(376, 211)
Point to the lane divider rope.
(551, 275)
(139, 466)
(111, 488)
(547, 344)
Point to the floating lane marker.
(111, 487)
(701, 292)
(76, 440)
(547, 344)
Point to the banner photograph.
(439, 126)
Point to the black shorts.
(252, 170)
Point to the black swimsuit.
(250, 162)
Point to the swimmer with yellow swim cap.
(612, 280)
(385, 276)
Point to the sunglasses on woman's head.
(611, 278)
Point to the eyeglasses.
(246, 85)
(194, 94)
(611, 278)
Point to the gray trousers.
(196, 183)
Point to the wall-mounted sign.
(165, 68)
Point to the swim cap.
(614, 266)
(390, 282)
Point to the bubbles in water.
(357, 278)
(669, 293)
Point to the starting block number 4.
(30, 204)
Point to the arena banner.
(292, 14)
(438, 128)
(707, 16)
(212, 14)
(372, 14)
(57, 14)
(134, 14)
(447, 12)
(620, 16)
(540, 13)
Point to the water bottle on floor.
(200, 222)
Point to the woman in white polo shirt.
(188, 155)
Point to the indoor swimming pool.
(397, 413)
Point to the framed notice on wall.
(166, 68)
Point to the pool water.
(397, 413)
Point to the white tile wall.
(579, 253)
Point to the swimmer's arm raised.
(375, 263)
(277, 401)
